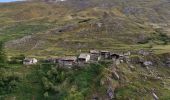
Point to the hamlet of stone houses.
(94, 56)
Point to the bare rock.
(110, 93)
(155, 96)
(115, 75)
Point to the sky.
(8, 0)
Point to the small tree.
(3, 58)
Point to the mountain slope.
(90, 24)
(48, 29)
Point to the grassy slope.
(119, 28)
(30, 86)
(138, 86)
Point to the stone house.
(95, 55)
(68, 62)
(105, 54)
(84, 57)
(114, 56)
(30, 61)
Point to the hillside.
(82, 24)
(49, 29)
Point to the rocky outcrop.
(165, 59)
(147, 63)
(115, 75)
(110, 93)
(155, 96)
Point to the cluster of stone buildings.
(81, 59)
(94, 56)
(85, 58)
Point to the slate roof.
(94, 51)
(84, 55)
(74, 58)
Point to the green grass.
(29, 87)
(19, 30)
(78, 84)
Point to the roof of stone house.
(114, 53)
(84, 55)
(105, 51)
(29, 59)
(94, 51)
(69, 58)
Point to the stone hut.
(68, 62)
(84, 57)
(105, 54)
(114, 56)
(95, 55)
(30, 61)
